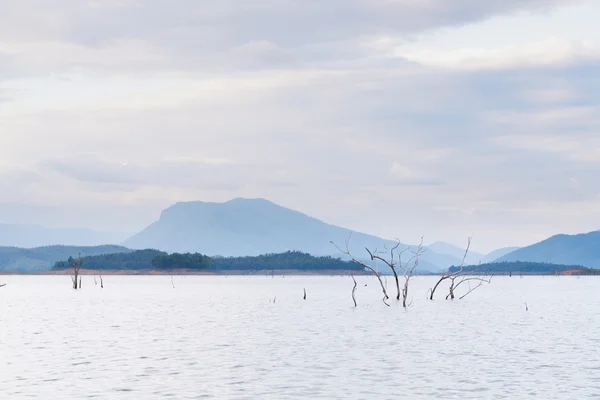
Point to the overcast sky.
(399, 118)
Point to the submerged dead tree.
(347, 252)
(394, 263)
(408, 270)
(75, 273)
(391, 264)
(353, 291)
(472, 278)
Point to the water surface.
(255, 337)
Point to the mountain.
(473, 257)
(456, 252)
(525, 267)
(251, 227)
(28, 236)
(496, 254)
(582, 249)
(16, 259)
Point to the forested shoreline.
(156, 260)
(525, 268)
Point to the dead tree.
(478, 280)
(76, 280)
(353, 291)
(451, 275)
(101, 281)
(391, 264)
(304, 293)
(395, 263)
(347, 252)
(408, 270)
(460, 277)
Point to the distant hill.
(250, 227)
(496, 254)
(582, 249)
(28, 236)
(472, 257)
(516, 267)
(16, 259)
(456, 252)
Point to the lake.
(226, 337)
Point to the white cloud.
(122, 104)
(562, 35)
(549, 52)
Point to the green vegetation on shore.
(157, 260)
(16, 259)
(518, 267)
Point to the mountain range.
(257, 226)
(582, 249)
(29, 236)
(251, 227)
(472, 257)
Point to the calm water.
(223, 337)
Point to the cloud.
(70, 35)
(177, 172)
(116, 104)
(549, 52)
(406, 175)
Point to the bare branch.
(354, 290)
(480, 282)
(390, 264)
(409, 270)
(452, 276)
(347, 252)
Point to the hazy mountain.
(43, 258)
(252, 227)
(496, 254)
(36, 236)
(582, 249)
(456, 252)
(473, 257)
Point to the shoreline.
(263, 272)
(190, 272)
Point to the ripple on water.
(216, 337)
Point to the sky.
(399, 118)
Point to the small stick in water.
(354, 290)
